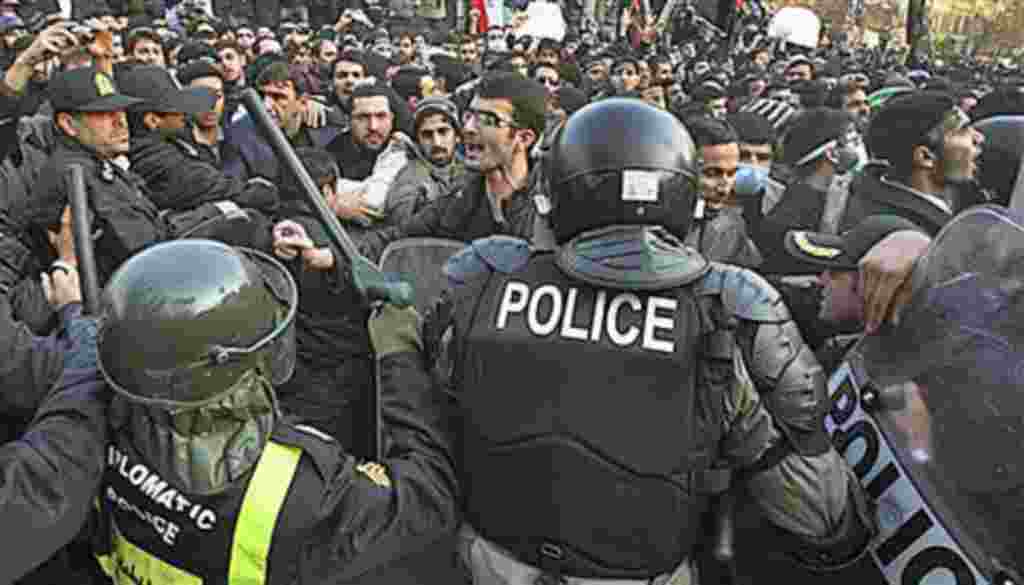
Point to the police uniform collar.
(631, 257)
(71, 144)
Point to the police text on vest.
(548, 310)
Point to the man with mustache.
(92, 131)
(433, 168)
(285, 90)
(370, 153)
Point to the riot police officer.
(618, 378)
(204, 481)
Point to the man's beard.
(441, 158)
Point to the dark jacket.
(26, 142)
(125, 219)
(875, 194)
(722, 236)
(178, 177)
(333, 344)
(800, 209)
(468, 214)
(247, 153)
(52, 473)
(355, 162)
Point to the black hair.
(320, 164)
(399, 108)
(355, 57)
(527, 96)
(280, 72)
(659, 60)
(708, 131)
(752, 128)
(142, 34)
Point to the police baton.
(368, 279)
(81, 228)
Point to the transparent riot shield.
(419, 262)
(930, 414)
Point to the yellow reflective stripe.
(133, 565)
(254, 527)
(107, 564)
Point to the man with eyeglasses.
(499, 129)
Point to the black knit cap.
(811, 129)
(903, 123)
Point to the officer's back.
(608, 378)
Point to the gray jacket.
(419, 183)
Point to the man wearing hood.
(433, 167)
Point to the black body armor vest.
(583, 429)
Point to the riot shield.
(930, 414)
(419, 261)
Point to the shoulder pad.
(323, 449)
(503, 254)
(187, 148)
(744, 293)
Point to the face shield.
(193, 393)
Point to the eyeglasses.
(548, 81)
(485, 119)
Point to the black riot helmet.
(621, 161)
(1001, 155)
(183, 321)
